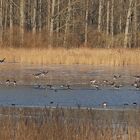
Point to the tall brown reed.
(69, 124)
(109, 57)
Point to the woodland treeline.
(70, 23)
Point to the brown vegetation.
(69, 124)
(109, 57)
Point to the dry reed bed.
(69, 124)
(109, 57)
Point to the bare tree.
(86, 23)
(1, 19)
(5, 14)
(120, 20)
(58, 18)
(127, 24)
(112, 18)
(68, 15)
(48, 15)
(52, 23)
(34, 17)
(11, 23)
(107, 19)
(135, 23)
(100, 15)
(40, 17)
(21, 22)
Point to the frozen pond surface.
(77, 76)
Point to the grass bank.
(108, 57)
(68, 124)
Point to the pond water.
(30, 96)
(81, 93)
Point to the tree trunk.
(67, 23)
(21, 22)
(1, 25)
(11, 23)
(5, 14)
(34, 17)
(100, 15)
(120, 20)
(107, 19)
(48, 16)
(127, 24)
(112, 19)
(58, 17)
(86, 23)
(135, 24)
(52, 23)
(40, 17)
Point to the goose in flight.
(2, 60)
(43, 73)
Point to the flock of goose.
(97, 85)
(93, 83)
(114, 83)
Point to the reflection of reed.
(68, 123)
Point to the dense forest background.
(70, 23)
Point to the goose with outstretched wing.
(2, 60)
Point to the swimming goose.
(134, 103)
(65, 86)
(104, 104)
(39, 87)
(116, 86)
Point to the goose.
(92, 82)
(115, 77)
(136, 85)
(50, 86)
(105, 81)
(36, 75)
(137, 77)
(7, 82)
(14, 83)
(65, 86)
(39, 87)
(116, 86)
(51, 102)
(43, 73)
(2, 60)
(96, 87)
(134, 103)
(125, 104)
(104, 104)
